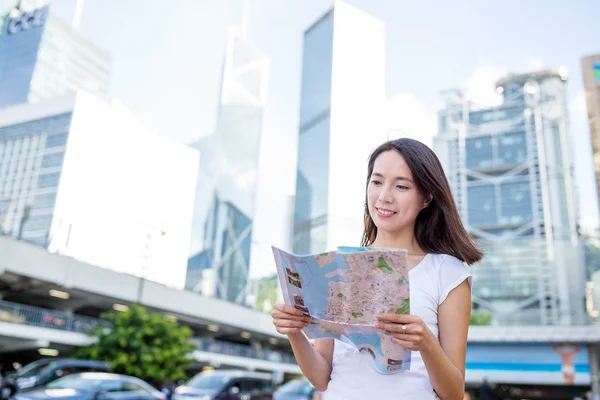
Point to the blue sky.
(168, 56)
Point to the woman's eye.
(376, 182)
(402, 187)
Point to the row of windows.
(43, 201)
(52, 160)
(23, 168)
(496, 151)
(48, 180)
(38, 222)
(52, 125)
(515, 204)
(19, 147)
(18, 169)
(497, 114)
(40, 201)
(39, 240)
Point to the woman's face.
(393, 199)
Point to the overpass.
(28, 271)
(542, 355)
(74, 293)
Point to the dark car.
(226, 385)
(42, 372)
(94, 386)
(298, 389)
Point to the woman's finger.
(287, 308)
(283, 315)
(405, 344)
(289, 323)
(405, 338)
(396, 328)
(288, 331)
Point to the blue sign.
(20, 40)
(552, 364)
(596, 68)
(26, 20)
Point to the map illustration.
(343, 291)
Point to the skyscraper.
(511, 175)
(342, 93)
(591, 83)
(42, 57)
(83, 178)
(219, 263)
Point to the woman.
(408, 206)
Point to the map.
(343, 291)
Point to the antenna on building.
(77, 15)
(245, 18)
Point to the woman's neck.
(398, 241)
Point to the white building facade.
(84, 178)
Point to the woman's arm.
(315, 362)
(445, 360)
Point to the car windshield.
(77, 382)
(35, 367)
(209, 381)
(295, 387)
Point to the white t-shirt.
(354, 377)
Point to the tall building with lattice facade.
(221, 243)
(511, 174)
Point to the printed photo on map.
(344, 290)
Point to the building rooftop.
(521, 79)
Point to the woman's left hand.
(408, 331)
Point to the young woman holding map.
(408, 206)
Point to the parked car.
(297, 389)
(42, 372)
(226, 385)
(94, 386)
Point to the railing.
(38, 316)
(234, 349)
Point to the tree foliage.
(481, 317)
(268, 290)
(149, 346)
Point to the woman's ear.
(427, 202)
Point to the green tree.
(149, 346)
(481, 317)
(268, 290)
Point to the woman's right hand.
(289, 320)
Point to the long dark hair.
(438, 228)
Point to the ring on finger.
(403, 329)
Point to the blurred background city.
(152, 152)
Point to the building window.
(43, 201)
(56, 140)
(37, 222)
(482, 205)
(48, 180)
(52, 160)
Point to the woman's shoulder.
(445, 261)
(448, 272)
